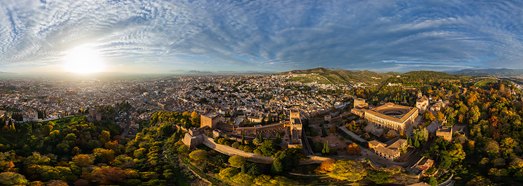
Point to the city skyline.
(169, 36)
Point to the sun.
(83, 59)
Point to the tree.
(235, 145)
(242, 179)
(37, 159)
(227, 173)
(326, 148)
(433, 181)
(492, 147)
(475, 114)
(12, 178)
(123, 161)
(262, 180)
(195, 118)
(380, 177)
(353, 149)
(107, 175)
(267, 148)
(57, 183)
(508, 144)
(103, 155)
(286, 159)
(440, 116)
(105, 136)
(83, 160)
(277, 166)
(456, 152)
(327, 166)
(237, 161)
(479, 180)
(347, 170)
(430, 116)
(198, 155)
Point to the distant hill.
(425, 75)
(368, 78)
(204, 73)
(501, 72)
(338, 76)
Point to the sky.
(161, 36)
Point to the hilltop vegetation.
(368, 78)
(338, 76)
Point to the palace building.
(390, 152)
(389, 115)
(392, 116)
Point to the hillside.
(338, 76)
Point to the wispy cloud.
(257, 35)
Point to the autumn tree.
(195, 118)
(507, 145)
(107, 175)
(83, 160)
(103, 155)
(440, 116)
(492, 147)
(327, 166)
(353, 149)
(430, 116)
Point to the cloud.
(259, 35)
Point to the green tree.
(475, 114)
(277, 166)
(380, 177)
(237, 161)
(433, 181)
(12, 178)
(198, 155)
(37, 159)
(326, 148)
(479, 180)
(347, 170)
(227, 173)
(242, 179)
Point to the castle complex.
(389, 115)
(291, 130)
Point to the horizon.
(162, 37)
(225, 72)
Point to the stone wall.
(224, 149)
